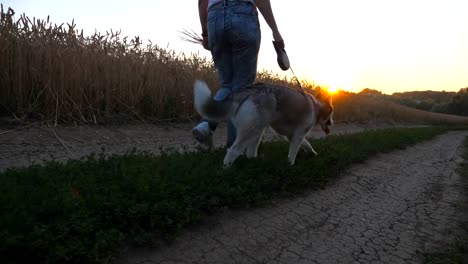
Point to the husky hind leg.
(232, 154)
(252, 147)
(247, 140)
(238, 147)
(249, 132)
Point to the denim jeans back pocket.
(246, 9)
(212, 15)
(245, 31)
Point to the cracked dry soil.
(382, 211)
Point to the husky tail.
(206, 106)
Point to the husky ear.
(324, 96)
(330, 100)
(327, 103)
(318, 93)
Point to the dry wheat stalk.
(190, 36)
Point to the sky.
(387, 45)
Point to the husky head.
(325, 115)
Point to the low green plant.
(84, 210)
(455, 253)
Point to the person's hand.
(282, 58)
(205, 42)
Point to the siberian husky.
(288, 112)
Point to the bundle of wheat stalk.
(191, 36)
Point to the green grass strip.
(84, 210)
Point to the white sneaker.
(203, 134)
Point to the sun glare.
(333, 89)
(335, 79)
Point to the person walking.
(231, 31)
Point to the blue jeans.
(234, 40)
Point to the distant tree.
(459, 104)
(441, 108)
(368, 91)
(423, 105)
(434, 101)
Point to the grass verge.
(84, 210)
(456, 252)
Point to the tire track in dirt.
(381, 211)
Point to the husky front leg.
(307, 147)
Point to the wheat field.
(54, 73)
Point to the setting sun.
(334, 84)
(334, 76)
(333, 89)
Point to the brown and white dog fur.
(288, 112)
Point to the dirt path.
(381, 211)
(24, 146)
